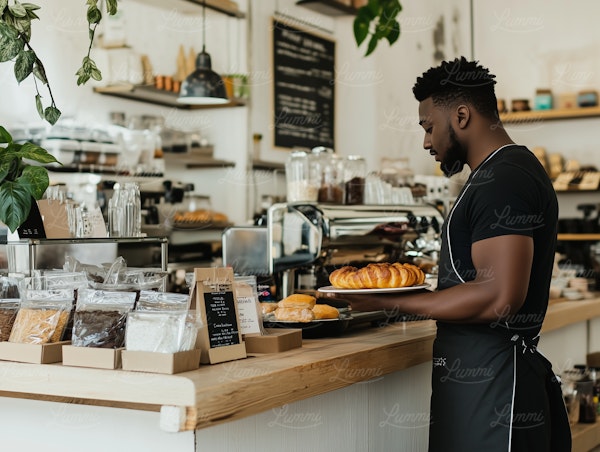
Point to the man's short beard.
(456, 155)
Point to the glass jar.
(355, 172)
(331, 189)
(302, 184)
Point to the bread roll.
(294, 314)
(324, 311)
(377, 276)
(298, 300)
(267, 307)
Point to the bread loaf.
(298, 300)
(377, 276)
(324, 311)
(294, 314)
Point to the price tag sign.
(221, 319)
(213, 295)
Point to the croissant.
(377, 276)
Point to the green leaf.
(40, 72)
(374, 8)
(365, 14)
(96, 74)
(361, 31)
(390, 9)
(9, 165)
(10, 43)
(94, 15)
(39, 106)
(15, 204)
(394, 34)
(30, 6)
(17, 10)
(24, 65)
(3, 5)
(5, 137)
(372, 45)
(51, 114)
(111, 7)
(35, 180)
(34, 152)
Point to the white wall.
(543, 44)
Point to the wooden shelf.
(533, 116)
(264, 165)
(152, 95)
(226, 7)
(196, 161)
(577, 237)
(328, 7)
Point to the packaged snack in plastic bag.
(161, 331)
(151, 300)
(8, 313)
(42, 316)
(100, 318)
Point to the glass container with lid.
(302, 183)
(331, 189)
(355, 173)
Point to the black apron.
(494, 392)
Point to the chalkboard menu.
(221, 319)
(303, 80)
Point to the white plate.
(331, 289)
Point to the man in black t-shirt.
(491, 389)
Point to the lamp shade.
(203, 86)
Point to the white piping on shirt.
(512, 403)
(489, 157)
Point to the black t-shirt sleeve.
(504, 202)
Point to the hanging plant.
(20, 181)
(377, 19)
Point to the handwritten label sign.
(303, 81)
(220, 339)
(221, 319)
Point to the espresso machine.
(302, 243)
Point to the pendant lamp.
(203, 86)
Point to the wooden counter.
(215, 394)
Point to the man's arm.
(503, 266)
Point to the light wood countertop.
(218, 393)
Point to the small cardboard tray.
(32, 353)
(162, 363)
(276, 340)
(100, 358)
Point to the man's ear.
(463, 115)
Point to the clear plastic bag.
(161, 331)
(151, 300)
(8, 313)
(100, 318)
(42, 316)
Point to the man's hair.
(459, 81)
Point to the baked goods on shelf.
(377, 276)
(324, 311)
(300, 308)
(298, 300)
(199, 217)
(294, 314)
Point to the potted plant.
(378, 20)
(20, 181)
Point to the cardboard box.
(161, 363)
(32, 353)
(101, 358)
(276, 340)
